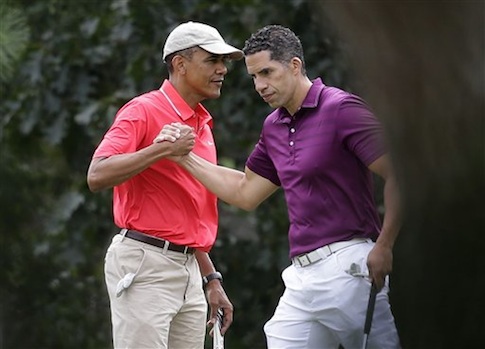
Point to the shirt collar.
(313, 96)
(311, 101)
(180, 106)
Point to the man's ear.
(178, 64)
(296, 65)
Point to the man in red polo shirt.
(168, 220)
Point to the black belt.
(151, 240)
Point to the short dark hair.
(187, 53)
(281, 42)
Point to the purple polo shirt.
(320, 158)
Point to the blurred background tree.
(421, 65)
(83, 60)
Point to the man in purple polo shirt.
(321, 145)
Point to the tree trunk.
(420, 65)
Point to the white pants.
(164, 306)
(323, 306)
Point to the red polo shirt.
(164, 200)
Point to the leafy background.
(83, 61)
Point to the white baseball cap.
(192, 34)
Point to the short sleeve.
(260, 163)
(126, 133)
(360, 131)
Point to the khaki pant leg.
(187, 330)
(143, 313)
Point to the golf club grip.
(218, 340)
(370, 308)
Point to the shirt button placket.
(291, 143)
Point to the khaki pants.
(164, 306)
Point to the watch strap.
(212, 276)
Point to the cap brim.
(223, 49)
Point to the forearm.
(225, 183)
(206, 268)
(215, 294)
(104, 173)
(205, 263)
(393, 216)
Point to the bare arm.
(380, 258)
(245, 190)
(104, 173)
(216, 296)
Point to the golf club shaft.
(370, 313)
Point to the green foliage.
(14, 35)
(83, 61)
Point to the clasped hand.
(181, 135)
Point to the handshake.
(182, 138)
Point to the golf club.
(370, 313)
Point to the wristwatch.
(208, 278)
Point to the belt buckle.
(304, 260)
